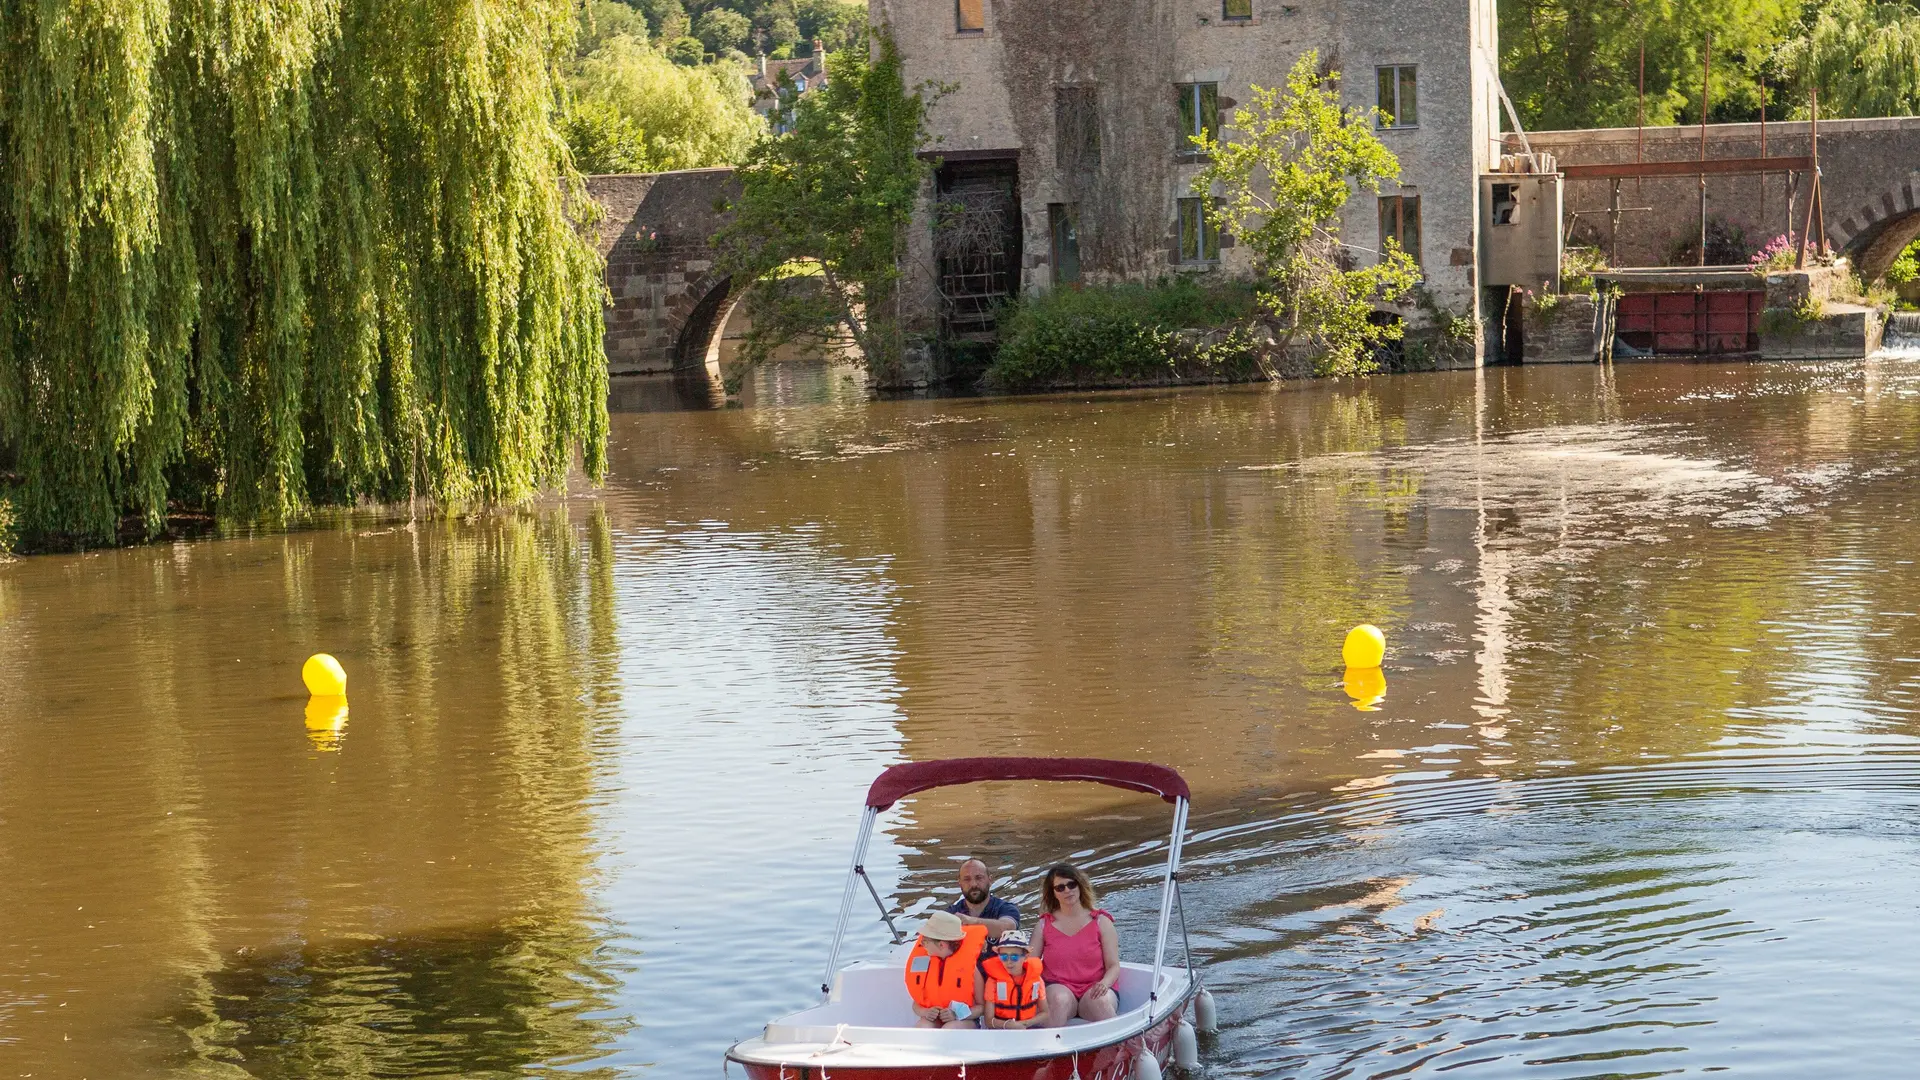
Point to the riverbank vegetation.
(1578, 63)
(1176, 329)
(259, 256)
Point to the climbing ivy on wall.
(261, 254)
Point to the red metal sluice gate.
(1691, 323)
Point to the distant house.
(796, 77)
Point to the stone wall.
(1562, 334)
(666, 299)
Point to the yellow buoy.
(1365, 647)
(1366, 686)
(324, 676)
(326, 721)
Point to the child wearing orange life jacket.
(1016, 998)
(943, 972)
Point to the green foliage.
(667, 20)
(1863, 55)
(1576, 63)
(1126, 333)
(604, 139)
(686, 51)
(602, 20)
(1577, 265)
(683, 117)
(834, 194)
(262, 254)
(720, 30)
(9, 533)
(1906, 267)
(836, 24)
(1294, 159)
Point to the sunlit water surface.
(1639, 801)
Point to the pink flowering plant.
(1775, 254)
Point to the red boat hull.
(1111, 1062)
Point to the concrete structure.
(1066, 121)
(1870, 175)
(668, 303)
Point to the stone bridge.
(1870, 174)
(669, 304)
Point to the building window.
(1076, 128)
(1236, 10)
(970, 16)
(1199, 240)
(1063, 220)
(1399, 98)
(1400, 222)
(1199, 114)
(1506, 203)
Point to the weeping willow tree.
(1863, 56)
(262, 254)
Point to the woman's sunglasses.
(1063, 886)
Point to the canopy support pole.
(846, 896)
(1166, 904)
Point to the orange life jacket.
(937, 982)
(1012, 998)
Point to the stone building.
(1063, 149)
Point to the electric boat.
(863, 1028)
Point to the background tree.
(686, 51)
(602, 20)
(825, 207)
(1294, 160)
(1864, 57)
(836, 24)
(604, 138)
(682, 117)
(721, 30)
(266, 253)
(1575, 63)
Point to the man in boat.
(1016, 997)
(979, 907)
(943, 972)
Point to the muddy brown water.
(1640, 798)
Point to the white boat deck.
(868, 1021)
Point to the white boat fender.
(1145, 1067)
(1186, 1048)
(1205, 1016)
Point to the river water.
(1640, 798)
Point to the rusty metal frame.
(1716, 166)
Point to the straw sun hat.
(943, 926)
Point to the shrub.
(1906, 268)
(1726, 245)
(1127, 333)
(1577, 267)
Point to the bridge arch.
(710, 301)
(1875, 233)
(667, 299)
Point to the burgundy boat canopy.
(901, 781)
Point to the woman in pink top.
(1081, 947)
